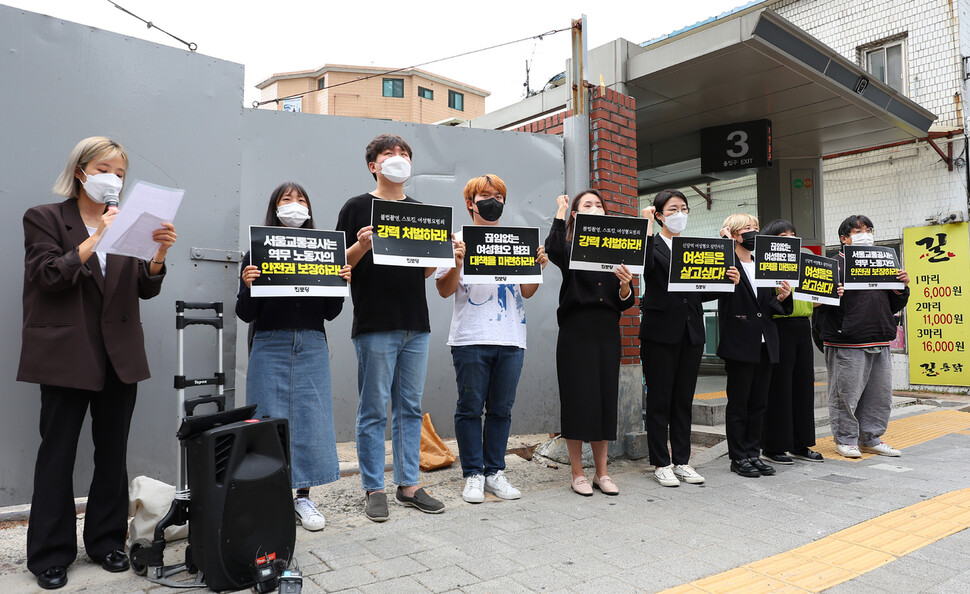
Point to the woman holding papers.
(671, 345)
(289, 363)
(83, 343)
(749, 347)
(588, 349)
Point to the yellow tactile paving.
(964, 432)
(847, 554)
(909, 431)
(723, 394)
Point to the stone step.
(711, 400)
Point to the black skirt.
(588, 367)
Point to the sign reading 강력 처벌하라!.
(938, 311)
(871, 267)
(298, 262)
(699, 264)
(818, 280)
(411, 234)
(496, 255)
(776, 260)
(602, 243)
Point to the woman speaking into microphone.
(83, 343)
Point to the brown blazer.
(75, 319)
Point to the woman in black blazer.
(671, 345)
(749, 347)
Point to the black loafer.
(53, 578)
(763, 468)
(807, 455)
(744, 468)
(116, 561)
(779, 458)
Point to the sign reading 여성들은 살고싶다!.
(938, 264)
(298, 262)
(818, 280)
(700, 264)
(602, 243)
(411, 234)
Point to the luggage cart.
(147, 558)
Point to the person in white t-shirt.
(487, 340)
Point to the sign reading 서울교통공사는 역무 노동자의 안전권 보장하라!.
(497, 255)
(871, 267)
(411, 234)
(298, 262)
(700, 264)
(603, 242)
(818, 280)
(937, 324)
(776, 260)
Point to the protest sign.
(776, 260)
(871, 267)
(496, 255)
(602, 243)
(298, 262)
(818, 280)
(411, 234)
(698, 264)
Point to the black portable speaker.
(241, 508)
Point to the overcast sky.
(288, 35)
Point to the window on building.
(888, 64)
(456, 100)
(322, 82)
(426, 93)
(394, 87)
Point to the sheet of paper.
(144, 209)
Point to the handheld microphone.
(110, 198)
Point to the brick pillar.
(613, 172)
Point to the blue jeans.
(487, 377)
(390, 366)
(289, 377)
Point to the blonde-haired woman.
(749, 347)
(83, 343)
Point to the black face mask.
(747, 240)
(490, 209)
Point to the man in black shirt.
(390, 333)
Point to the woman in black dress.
(588, 349)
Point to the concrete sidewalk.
(649, 538)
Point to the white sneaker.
(849, 451)
(474, 491)
(882, 448)
(499, 486)
(665, 476)
(686, 473)
(308, 515)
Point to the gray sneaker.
(375, 507)
(421, 500)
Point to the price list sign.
(938, 263)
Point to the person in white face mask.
(289, 362)
(83, 343)
(856, 336)
(391, 334)
(671, 344)
(588, 347)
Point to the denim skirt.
(289, 377)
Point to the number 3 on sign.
(740, 140)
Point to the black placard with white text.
(699, 264)
(602, 243)
(776, 260)
(497, 255)
(871, 267)
(411, 234)
(818, 280)
(298, 262)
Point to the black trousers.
(52, 529)
(747, 395)
(790, 416)
(670, 372)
